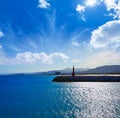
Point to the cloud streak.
(1, 34)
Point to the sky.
(42, 35)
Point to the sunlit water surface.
(35, 96)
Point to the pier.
(88, 78)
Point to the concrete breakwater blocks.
(88, 78)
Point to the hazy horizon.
(60, 69)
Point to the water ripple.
(39, 98)
(88, 100)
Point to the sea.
(36, 96)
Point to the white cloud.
(80, 8)
(91, 3)
(29, 57)
(43, 4)
(107, 35)
(1, 34)
(59, 55)
(113, 5)
(102, 58)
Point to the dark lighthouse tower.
(73, 71)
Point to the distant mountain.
(64, 71)
(104, 69)
(101, 69)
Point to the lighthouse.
(73, 71)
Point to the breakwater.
(88, 78)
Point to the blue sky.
(41, 35)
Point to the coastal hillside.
(64, 71)
(104, 69)
(101, 69)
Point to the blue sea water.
(35, 96)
